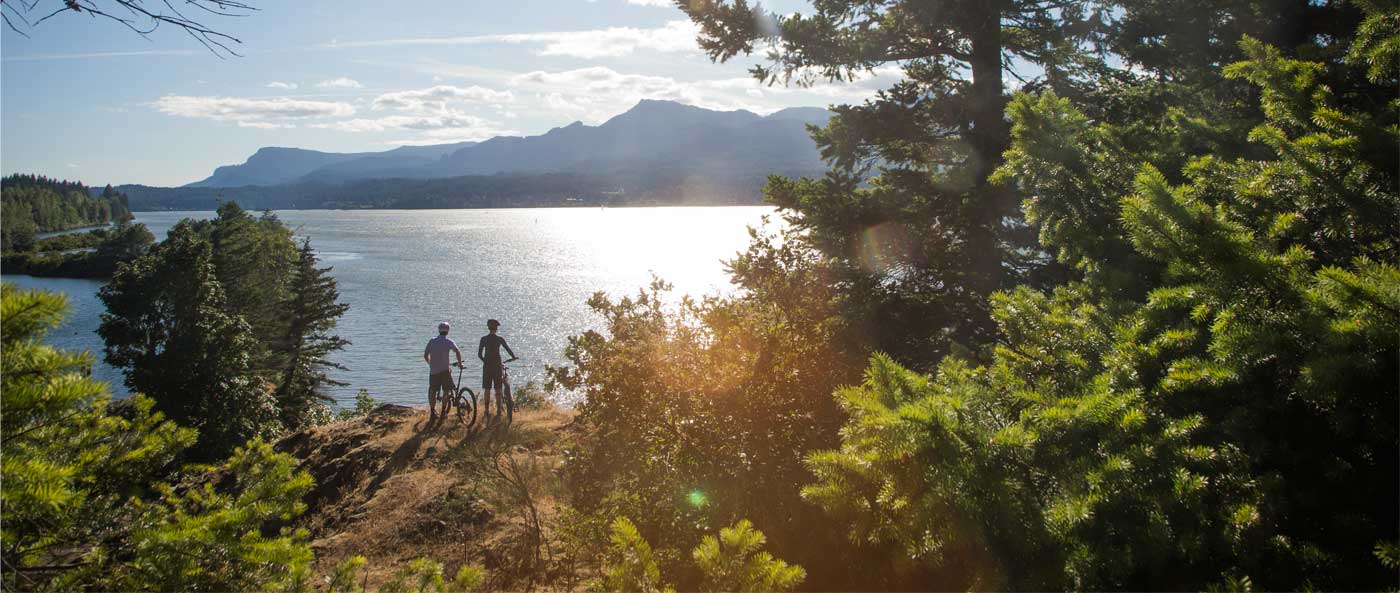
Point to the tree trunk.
(988, 138)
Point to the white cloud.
(72, 165)
(596, 93)
(674, 36)
(264, 125)
(453, 126)
(250, 111)
(663, 3)
(282, 85)
(436, 98)
(340, 83)
(459, 123)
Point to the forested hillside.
(655, 186)
(34, 204)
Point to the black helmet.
(492, 324)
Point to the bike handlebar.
(462, 365)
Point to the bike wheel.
(466, 406)
(509, 402)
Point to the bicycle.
(504, 395)
(462, 398)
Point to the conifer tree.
(912, 230)
(85, 507)
(168, 327)
(1231, 423)
(735, 561)
(630, 565)
(310, 313)
(254, 259)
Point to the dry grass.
(392, 487)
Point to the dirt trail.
(393, 487)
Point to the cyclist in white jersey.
(440, 369)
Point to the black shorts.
(440, 382)
(491, 377)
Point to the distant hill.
(276, 165)
(653, 134)
(658, 152)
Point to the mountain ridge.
(652, 134)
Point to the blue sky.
(87, 99)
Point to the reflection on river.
(403, 271)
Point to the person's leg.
(486, 392)
(437, 382)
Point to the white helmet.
(444, 327)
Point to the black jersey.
(489, 350)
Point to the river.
(403, 271)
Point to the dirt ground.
(394, 487)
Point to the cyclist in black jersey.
(489, 351)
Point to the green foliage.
(1222, 418)
(734, 561)
(908, 229)
(207, 534)
(34, 204)
(364, 404)
(168, 326)
(85, 507)
(530, 395)
(227, 324)
(629, 564)
(347, 576)
(700, 411)
(69, 241)
(1192, 39)
(425, 576)
(1377, 45)
(308, 314)
(109, 247)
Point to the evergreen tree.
(735, 561)
(168, 326)
(311, 312)
(124, 242)
(630, 565)
(1233, 423)
(84, 507)
(17, 227)
(920, 245)
(32, 203)
(254, 260)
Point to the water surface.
(403, 271)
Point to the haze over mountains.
(656, 152)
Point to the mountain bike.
(504, 396)
(462, 398)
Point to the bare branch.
(145, 17)
(11, 25)
(68, 7)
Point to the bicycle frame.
(460, 393)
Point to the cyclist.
(489, 351)
(439, 369)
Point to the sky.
(86, 99)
